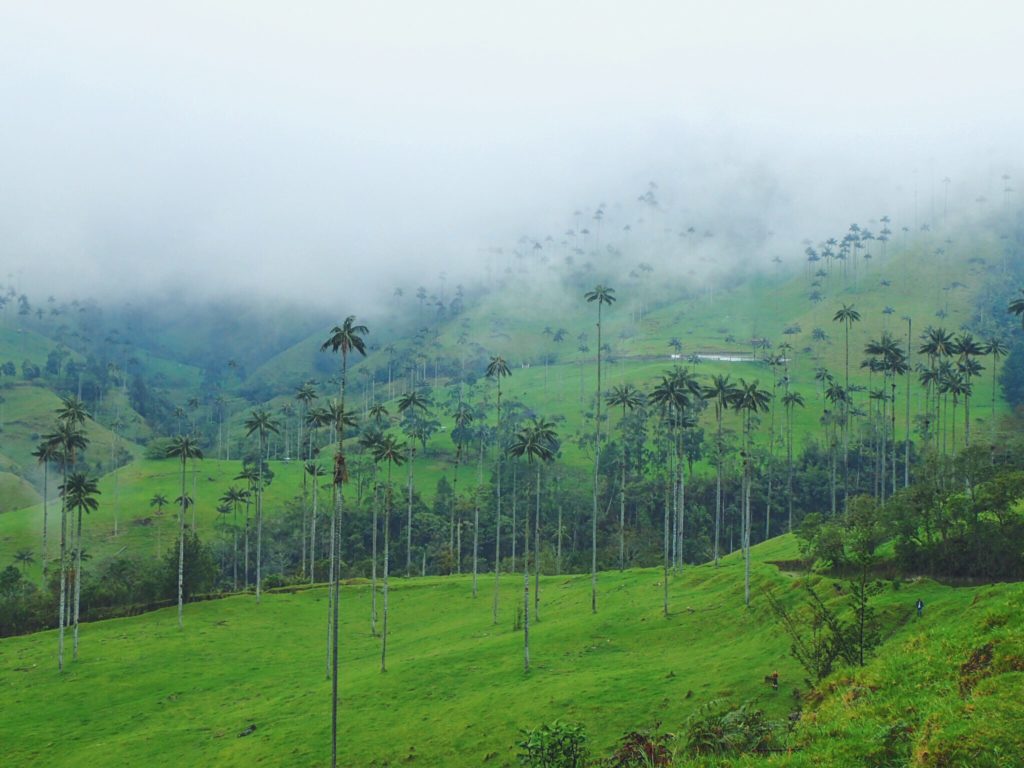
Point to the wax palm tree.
(183, 447)
(344, 339)
(750, 400)
(45, 453)
(790, 400)
(997, 348)
(937, 344)
(79, 494)
(966, 348)
(538, 442)
(393, 454)
(68, 439)
(460, 434)
(847, 315)
(263, 424)
(231, 498)
(24, 558)
(305, 394)
(498, 369)
(1016, 307)
(600, 295)
(314, 471)
(627, 397)
(722, 393)
(411, 404)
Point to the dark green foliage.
(719, 729)
(200, 567)
(643, 749)
(554, 745)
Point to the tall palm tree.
(790, 400)
(722, 393)
(305, 394)
(966, 348)
(232, 498)
(538, 442)
(627, 397)
(69, 439)
(750, 400)
(24, 558)
(412, 403)
(997, 348)
(393, 453)
(497, 369)
(45, 453)
(263, 424)
(315, 471)
(1016, 307)
(847, 315)
(460, 434)
(343, 339)
(601, 295)
(937, 344)
(79, 494)
(183, 447)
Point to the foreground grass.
(145, 693)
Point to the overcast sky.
(268, 145)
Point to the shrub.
(554, 745)
(717, 729)
(643, 749)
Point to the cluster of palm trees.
(78, 493)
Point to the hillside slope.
(144, 692)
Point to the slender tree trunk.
(312, 535)
(259, 523)
(408, 525)
(597, 465)
(46, 505)
(387, 546)
(234, 562)
(476, 517)
(78, 584)
(526, 592)
(515, 527)
(666, 552)
(63, 574)
(181, 545)
(330, 596)
(622, 503)
(718, 481)
(536, 553)
(373, 566)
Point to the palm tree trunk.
(46, 501)
(536, 553)
(312, 535)
(259, 522)
(497, 540)
(476, 517)
(526, 590)
(181, 545)
(330, 594)
(387, 547)
(515, 528)
(408, 524)
(373, 565)
(718, 481)
(78, 583)
(597, 465)
(63, 575)
(666, 552)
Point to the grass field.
(145, 693)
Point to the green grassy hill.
(144, 692)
